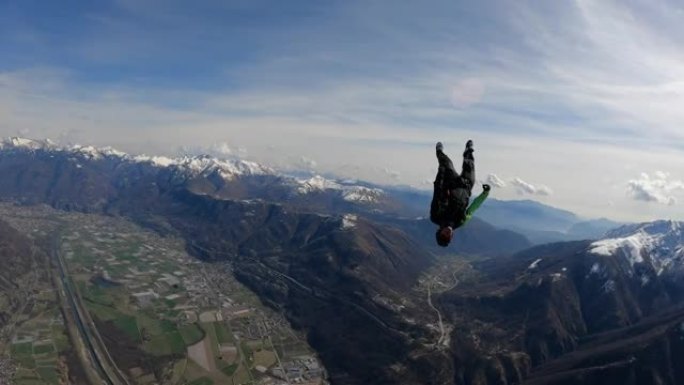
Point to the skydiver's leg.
(468, 167)
(446, 166)
(438, 190)
(437, 196)
(446, 175)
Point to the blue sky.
(577, 103)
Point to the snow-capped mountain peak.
(652, 228)
(204, 165)
(191, 166)
(350, 193)
(660, 243)
(27, 144)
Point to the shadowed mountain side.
(345, 284)
(355, 283)
(541, 304)
(22, 265)
(646, 353)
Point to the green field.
(191, 334)
(265, 358)
(23, 349)
(167, 326)
(24, 358)
(29, 381)
(151, 325)
(202, 381)
(241, 376)
(230, 369)
(103, 312)
(49, 375)
(129, 325)
(25, 374)
(223, 334)
(166, 344)
(60, 338)
(97, 295)
(43, 349)
(247, 351)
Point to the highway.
(97, 351)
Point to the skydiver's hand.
(486, 187)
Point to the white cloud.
(307, 163)
(393, 174)
(659, 188)
(220, 150)
(525, 188)
(494, 180)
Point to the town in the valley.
(132, 307)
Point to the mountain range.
(355, 267)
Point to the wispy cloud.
(220, 150)
(658, 188)
(307, 163)
(364, 88)
(524, 188)
(494, 180)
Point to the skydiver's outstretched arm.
(477, 202)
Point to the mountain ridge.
(355, 279)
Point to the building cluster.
(301, 370)
(161, 278)
(7, 370)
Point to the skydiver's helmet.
(444, 236)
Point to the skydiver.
(449, 208)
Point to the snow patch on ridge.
(228, 169)
(349, 221)
(660, 243)
(632, 246)
(360, 194)
(316, 184)
(27, 144)
(190, 166)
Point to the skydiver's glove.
(486, 187)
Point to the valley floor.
(162, 315)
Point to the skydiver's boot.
(468, 168)
(439, 181)
(468, 153)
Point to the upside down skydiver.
(449, 209)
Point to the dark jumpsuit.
(452, 192)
